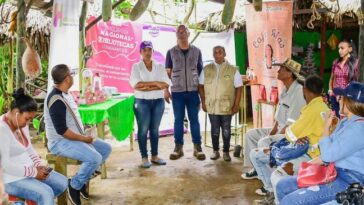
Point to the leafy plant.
(123, 10)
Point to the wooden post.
(361, 47)
(61, 167)
(101, 134)
(20, 45)
(323, 48)
(82, 44)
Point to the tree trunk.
(20, 45)
(361, 47)
(82, 41)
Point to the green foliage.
(123, 10)
(2, 101)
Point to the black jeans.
(223, 121)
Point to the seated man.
(66, 136)
(309, 126)
(288, 109)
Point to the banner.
(64, 42)
(269, 36)
(115, 47)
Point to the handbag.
(283, 151)
(310, 174)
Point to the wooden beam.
(308, 11)
(323, 48)
(361, 48)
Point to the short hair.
(59, 73)
(354, 107)
(184, 26)
(314, 84)
(23, 102)
(219, 47)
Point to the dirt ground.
(185, 181)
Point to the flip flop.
(159, 162)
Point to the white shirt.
(17, 161)
(238, 82)
(140, 73)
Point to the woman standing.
(149, 79)
(344, 147)
(344, 70)
(24, 174)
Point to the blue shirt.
(345, 146)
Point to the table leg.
(131, 141)
(101, 134)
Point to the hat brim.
(277, 64)
(339, 91)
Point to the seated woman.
(24, 174)
(344, 147)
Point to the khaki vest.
(220, 92)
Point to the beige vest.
(220, 91)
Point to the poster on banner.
(64, 42)
(269, 38)
(115, 47)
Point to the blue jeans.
(91, 156)
(260, 161)
(289, 193)
(148, 114)
(181, 101)
(335, 105)
(223, 121)
(42, 192)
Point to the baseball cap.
(354, 91)
(146, 44)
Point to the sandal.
(159, 162)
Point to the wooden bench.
(60, 166)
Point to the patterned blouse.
(341, 74)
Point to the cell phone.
(49, 169)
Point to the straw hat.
(292, 66)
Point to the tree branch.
(100, 17)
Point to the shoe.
(84, 193)
(159, 162)
(215, 155)
(145, 163)
(268, 200)
(197, 152)
(95, 174)
(226, 157)
(177, 153)
(252, 174)
(73, 194)
(261, 191)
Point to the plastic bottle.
(97, 83)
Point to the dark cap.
(146, 44)
(354, 91)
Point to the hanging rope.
(315, 15)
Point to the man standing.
(66, 136)
(184, 64)
(288, 110)
(220, 91)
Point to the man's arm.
(201, 91)
(235, 108)
(274, 129)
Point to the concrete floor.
(185, 181)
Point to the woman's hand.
(328, 117)
(42, 173)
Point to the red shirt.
(341, 74)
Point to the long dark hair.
(352, 59)
(23, 102)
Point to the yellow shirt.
(309, 124)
